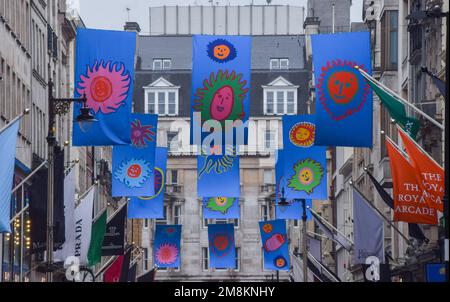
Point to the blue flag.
(304, 172)
(221, 208)
(8, 139)
(152, 206)
(222, 248)
(220, 83)
(218, 175)
(167, 245)
(275, 245)
(104, 73)
(293, 211)
(132, 167)
(344, 99)
(368, 231)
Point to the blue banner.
(132, 166)
(221, 208)
(167, 246)
(8, 140)
(344, 99)
(435, 272)
(222, 248)
(221, 71)
(218, 175)
(304, 172)
(152, 207)
(293, 210)
(104, 73)
(275, 245)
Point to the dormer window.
(161, 97)
(280, 97)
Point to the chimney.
(132, 26)
(311, 26)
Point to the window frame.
(276, 90)
(156, 92)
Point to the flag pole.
(381, 214)
(370, 78)
(330, 225)
(77, 202)
(397, 147)
(311, 257)
(24, 112)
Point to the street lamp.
(283, 202)
(58, 106)
(435, 11)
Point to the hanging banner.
(114, 240)
(222, 249)
(305, 165)
(133, 165)
(83, 227)
(218, 175)
(293, 211)
(220, 86)
(429, 173)
(66, 249)
(410, 202)
(167, 245)
(104, 73)
(344, 99)
(275, 245)
(148, 207)
(221, 208)
(8, 140)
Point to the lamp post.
(436, 12)
(283, 202)
(57, 106)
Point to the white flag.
(69, 206)
(83, 226)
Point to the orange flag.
(430, 174)
(410, 201)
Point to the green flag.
(97, 235)
(397, 110)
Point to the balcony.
(174, 189)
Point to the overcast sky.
(112, 14)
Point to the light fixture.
(85, 119)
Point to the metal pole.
(447, 151)
(304, 249)
(51, 140)
(21, 235)
(400, 99)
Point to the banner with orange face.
(430, 174)
(410, 200)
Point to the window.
(205, 259)
(389, 40)
(264, 212)
(145, 223)
(280, 101)
(269, 140)
(284, 63)
(174, 174)
(162, 102)
(145, 260)
(296, 224)
(268, 176)
(162, 64)
(177, 215)
(279, 63)
(173, 142)
(162, 221)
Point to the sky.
(112, 14)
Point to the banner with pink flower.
(104, 72)
(275, 245)
(167, 246)
(133, 165)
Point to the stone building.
(398, 52)
(38, 45)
